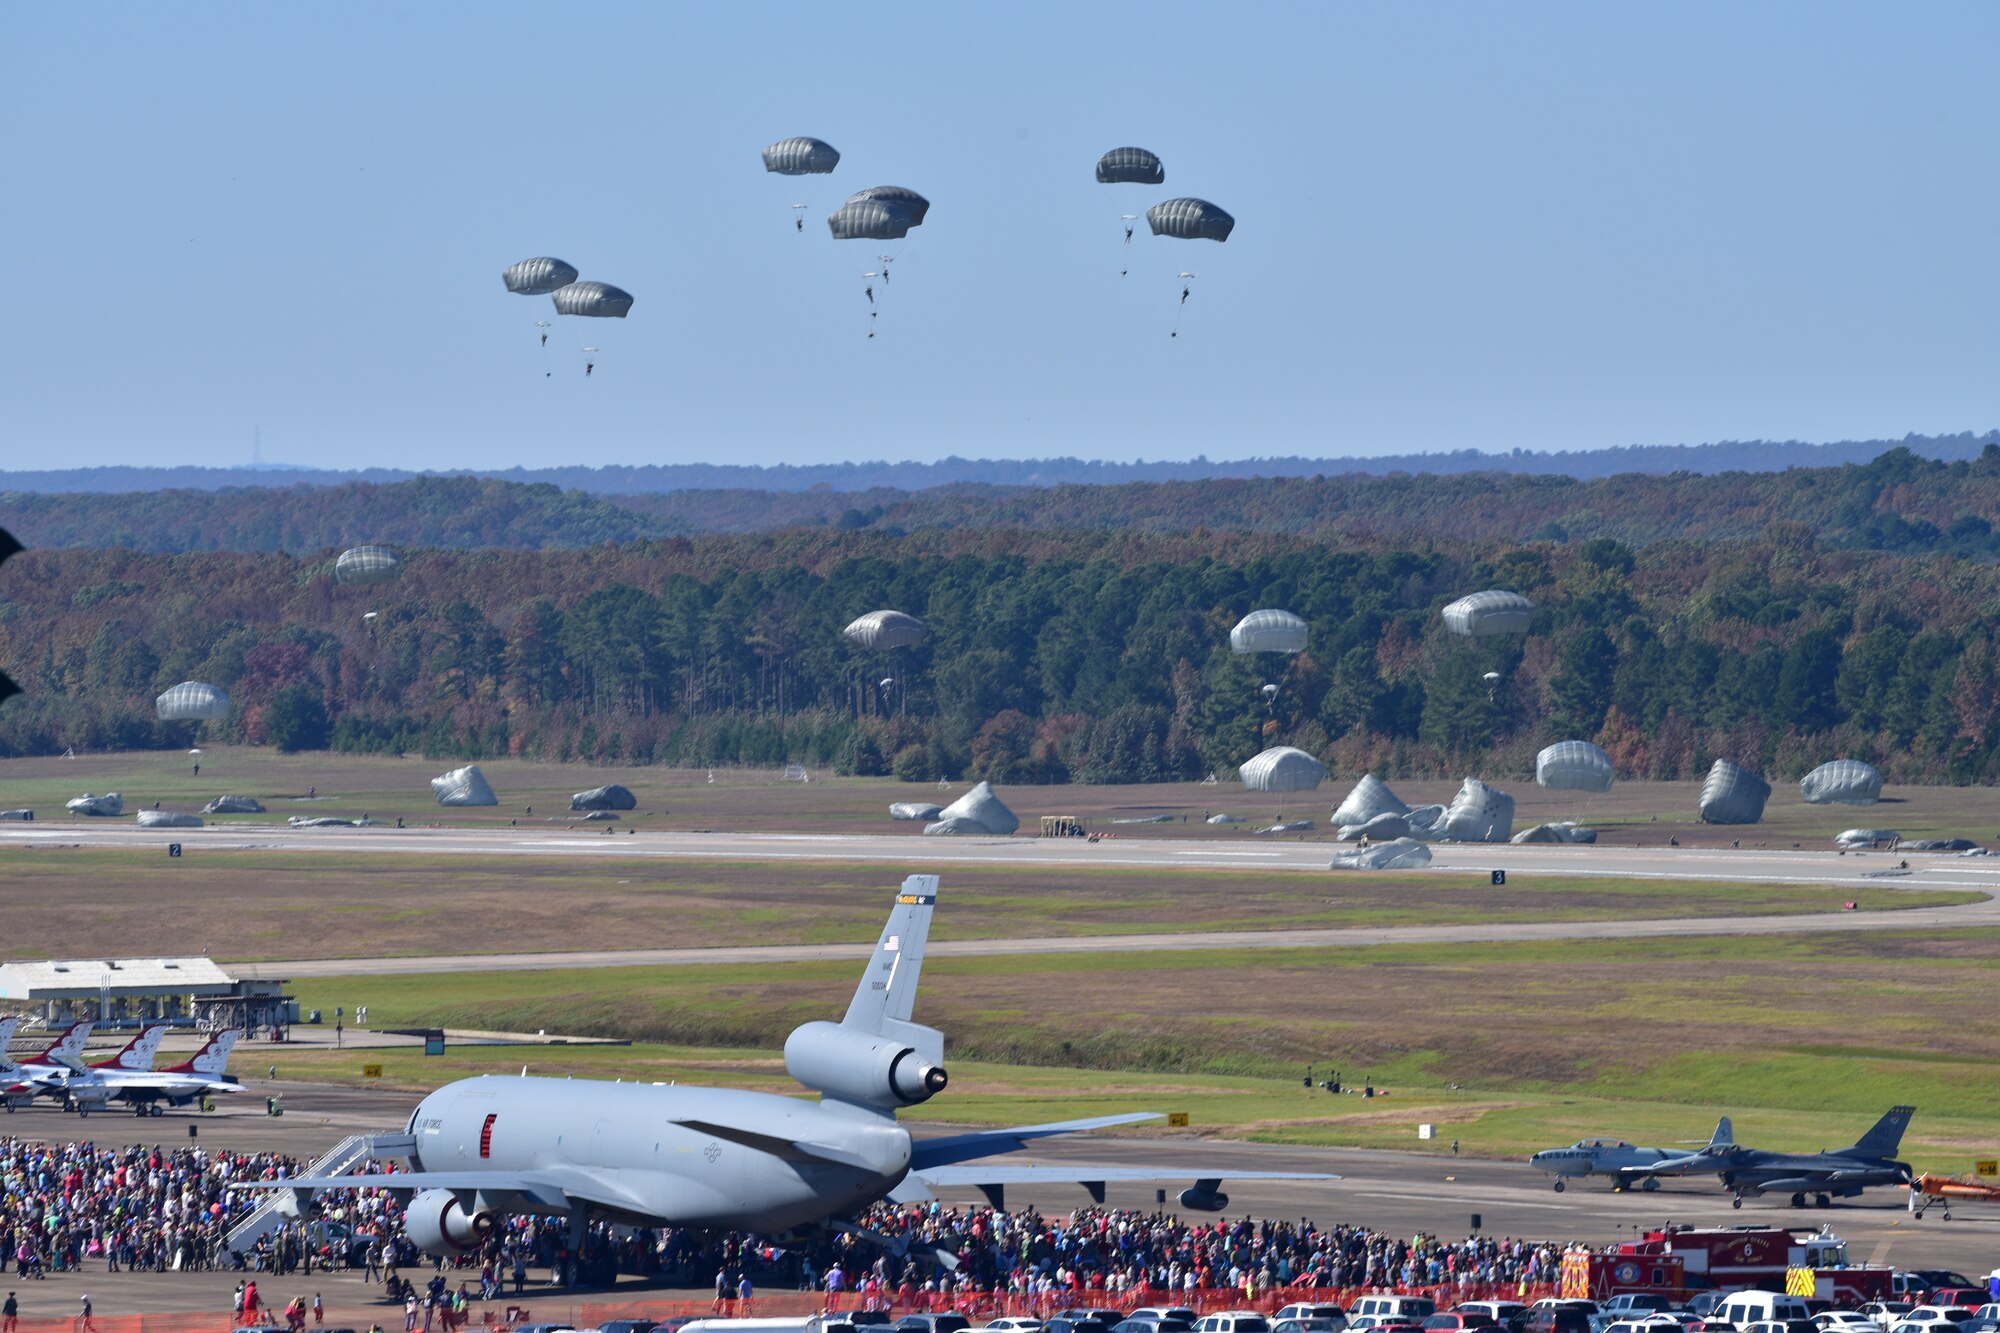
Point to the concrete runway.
(1826, 868)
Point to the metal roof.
(52, 979)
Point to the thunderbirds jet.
(1625, 1164)
(21, 1082)
(148, 1091)
(642, 1153)
(1836, 1173)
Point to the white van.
(1418, 1308)
(1752, 1307)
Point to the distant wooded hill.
(1898, 502)
(1724, 456)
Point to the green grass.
(1805, 1039)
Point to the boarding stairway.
(281, 1206)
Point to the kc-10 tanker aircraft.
(653, 1155)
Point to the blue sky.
(1493, 226)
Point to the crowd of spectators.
(65, 1206)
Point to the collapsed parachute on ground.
(896, 196)
(885, 629)
(1732, 794)
(168, 819)
(1130, 166)
(234, 805)
(802, 156)
(595, 300)
(326, 821)
(1385, 827)
(1564, 832)
(193, 701)
(1282, 769)
(1371, 797)
(1226, 819)
(1864, 837)
(1268, 631)
(1478, 813)
(1396, 854)
(538, 277)
(915, 810)
(367, 564)
(611, 796)
(1424, 820)
(1912, 845)
(978, 811)
(105, 806)
(869, 220)
(1190, 220)
(1482, 614)
(1842, 782)
(1573, 766)
(464, 786)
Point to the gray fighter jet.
(648, 1154)
(1836, 1173)
(1626, 1164)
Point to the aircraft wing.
(992, 1181)
(928, 1153)
(552, 1188)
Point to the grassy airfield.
(1507, 1047)
(750, 800)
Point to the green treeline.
(1053, 655)
(1899, 502)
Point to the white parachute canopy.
(885, 629)
(168, 819)
(1282, 769)
(1371, 797)
(1268, 631)
(1573, 766)
(981, 808)
(464, 786)
(1842, 782)
(1478, 813)
(1732, 794)
(367, 564)
(111, 803)
(1397, 854)
(193, 701)
(1482, 614)
(609, 797)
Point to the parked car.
(1457, 1321)
(1312, 1310)
(932, 1323)
(1307, 1326)
(1559, 1319)
(1233, 1321)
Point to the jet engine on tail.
(438, 1224)
(851, 1065)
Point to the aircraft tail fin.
(7, 1028)
(1887, 1135)
(138, 1053)
(1724, 1136)
(875, 1059)
(67, 1047)
(888, 990)
(213, 1058)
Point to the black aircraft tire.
(1560, 1187)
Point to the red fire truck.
(1677, 1261)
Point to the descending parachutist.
(1184, 295)
(588, 366)
(798, 224)
(871, 294)
(1128, 236)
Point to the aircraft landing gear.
(1652, 1183)
(1560, 1187)
(1798, 1201)
(1821, 1201)
(1736, 1201)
